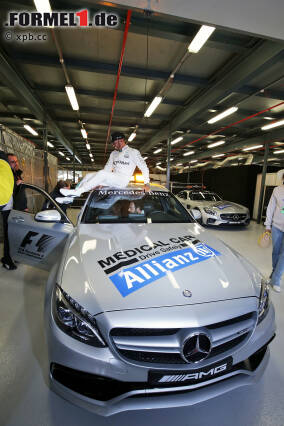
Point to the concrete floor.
(25, 398)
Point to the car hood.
(128, 266)
(224, 206)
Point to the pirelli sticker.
(165, 258)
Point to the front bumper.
(218, 221)
(97, 380)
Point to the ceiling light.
(218, 155)
(278, 143)
(186, 167)
(212, 110)
(30, 129)
(153, 105)
(88, 146)
(176, 140)
(91, 155)
(72, 96)
(78, 159)
(157, 164)
(279, 152)
(188, 153)
(157, 151)
(193, 161)
(50, 144)
(179, 164)
(145, 158)
(43, 6)
(212, 145)
(268, 118)
(161, 168)
(215, 136)
(252, 147)
(67, 158)
(200, 39)
(92, 160)
(222, 115)
(61, 153)
(234, 164)
(171, 159)
(131, 137)
(275, 124)
(84, 133)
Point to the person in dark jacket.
(19, 195)
(55, 193)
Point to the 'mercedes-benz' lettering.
(193, 376)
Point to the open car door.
(38, 234)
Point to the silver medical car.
(144, 308)
(214, 211)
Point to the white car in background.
(214, 211)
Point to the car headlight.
(74, 320)
(210, 211)
(263, 300)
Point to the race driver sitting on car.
(117, 171)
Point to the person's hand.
(147, 187)
(19, 181)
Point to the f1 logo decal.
(41, 243)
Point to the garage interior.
(234, 71)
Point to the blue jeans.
(277, 256)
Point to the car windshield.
(134, 206)
(204, 196)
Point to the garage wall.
(231, 183)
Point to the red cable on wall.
(129, 12)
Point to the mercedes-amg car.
(144, 308)
(214, 211)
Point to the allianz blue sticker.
(224, 206)
(135, 277)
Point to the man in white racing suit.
(117, 171)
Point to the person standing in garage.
(20, 199)
(275, 224)
(6, 204)
(117, 171)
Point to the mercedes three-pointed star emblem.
(196, 347)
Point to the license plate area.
(169, 378)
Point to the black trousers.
(5, 215)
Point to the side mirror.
(195, 213)
(48, 216)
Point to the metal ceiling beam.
(262, 57)
(104, 68)
(20, 87)
(238, 145)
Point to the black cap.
(117, 135)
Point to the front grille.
(233, 217)
(163, 346)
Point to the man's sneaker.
(64, 200)
(276, 288)
(70, 192)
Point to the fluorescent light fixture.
(161, 168)
(193, 161)
(222, 115)
(200, 39)
(176, 140)
(84, 133)
(91, 155)
(30, 129)
(157, 164)
(179, 164)
(92, 160)
(50, 144)
(72, 96)
(78, 159)
(212, 145)
(188, 153)
(67, 158)
(153, 105)
(42, 6)
(157, 151)
(145, 158)
(88, 146)
(61, 153)
(186, 167)
(252, 147)
(212, 110)
(131, 137)
(267, 118)
(171, 159)
(218, 155)
(272, 125)
(234, 164)
(279, 152)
